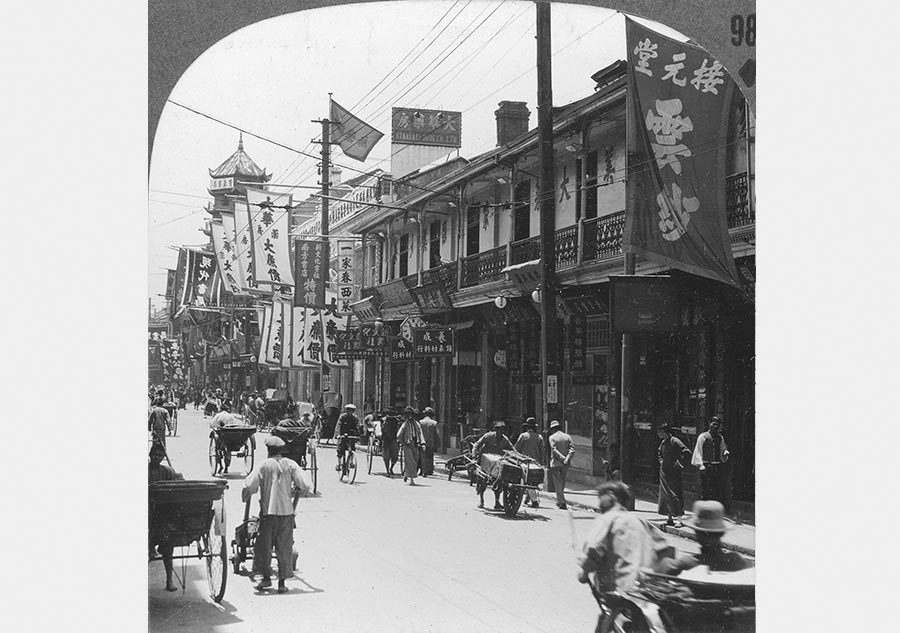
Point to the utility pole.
(550, 368)
(326, 250)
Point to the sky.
(273, 79)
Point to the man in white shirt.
(273, 480)
(710, 455)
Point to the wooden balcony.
(483, 267)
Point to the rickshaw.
(300, 446)
(238, 441)
(183, 512)
(275, 409)
(512, 474)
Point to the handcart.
(231, 441)
(465, 460)
(300, 446)
(245, 538)
(185, 512)
(511, 473)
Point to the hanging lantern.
(500, 302)
(536, 295)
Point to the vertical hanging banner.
(269, 218)
(680, 99)
(274, 344)
(312, 337)
(201, 279)
(299, 356)
(347, 286)
(332, 323)
(243, 246)
(287, 329)
(223, 244)
(309, 273)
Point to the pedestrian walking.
(411, 442)
(710, 455)
(673, 455)
(491, 443)
(561, 453)
(430, 433)
(273, 480)
(531, 445)
(390, 447)
(158, 422)
(157, 472)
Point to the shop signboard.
(644, 303)
(309, 271)
(578, 344)
(415, 126)
(514, 347)
(401, 349)
(433, 342)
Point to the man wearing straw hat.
(561, 452)
(709, 524)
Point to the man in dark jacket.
(347, 424)
(390, 447)
(491, 443)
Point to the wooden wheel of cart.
(312, 465)
(214, 458)
(512, 499)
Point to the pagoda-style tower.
(238, 167)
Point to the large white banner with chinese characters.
(223, 243)
(299, 337)
(269, 215)
(243, 246)
(332, 323)
(347, 283)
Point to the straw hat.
(708, 517)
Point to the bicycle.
(373, 449)
(347, 465)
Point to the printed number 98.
(743, 30)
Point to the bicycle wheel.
(351, 466)
(313, 466)
(370, 453)
(213, 456)
(216, 553)
(248, 457)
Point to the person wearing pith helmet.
(345, 432)
(561, 453)
(709, 525)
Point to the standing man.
(347, 424)
(158, 422)
(710, 455)
(491, 443)
(430, 433)
(411, 442)
(273, 480)
(390, 448)
(561, 452)
(672, 454)
(531, 445)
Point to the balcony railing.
(483, 267)
(525, 250)
(567, 247)
(602, 237)
(445, 274)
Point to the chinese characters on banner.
(401, 349)
(514, 347)
(414, 126)
(172, 360)
(309, 267)
(680, 104)
(223, 243)
(578, 343)
(287, 330)
(361, 342)
(347, 289)
(332, 324)
(242, 245)
(433, 342)
(201, 279)
(269, 219)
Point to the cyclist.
(347, 424)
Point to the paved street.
(382, 556)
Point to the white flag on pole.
(269, 235)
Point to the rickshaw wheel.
(216, 553)
(512, 499)
(213, 456)
(313, 467)
(370, 454)
(248, 457)
(235, 558)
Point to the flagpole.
(625, 369)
